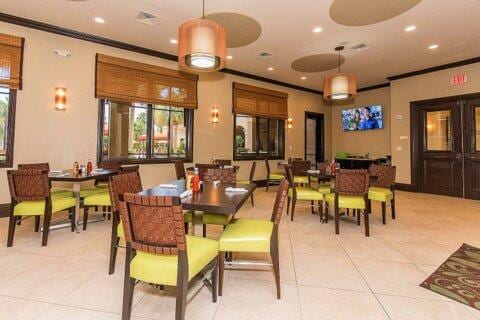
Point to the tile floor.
(324, 276)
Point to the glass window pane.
(4, 103)
(125, 130)
(161, 119)
(439, 130)
(178, 134)
(263, 136)
(477, 128)
(273, 135)
(245, 135)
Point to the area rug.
(458, 278)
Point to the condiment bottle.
(196, 181)
(89, 167)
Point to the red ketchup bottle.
(89, 167)
(196, 181)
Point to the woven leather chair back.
(252, 171)
(385, 175)
(300, 168)
(289, 176)
(280, 202)
(28, 185)
(224, 175)
(130, 169)
(203, 168)
(222, 162)
(180, 169)
(153, 224)
(110, 165)
(123, 183)
(34, 166)
(352, 182)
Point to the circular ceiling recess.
(366, 12)
(241, 29)
(317, 62)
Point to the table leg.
(76, 195)
(197, 227)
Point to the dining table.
(212, 198)
(77, 178)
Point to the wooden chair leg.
(384, 212)
(392, 204)
(312, 204)
(37, 223)
(327, 211)
(128, 288)
(358, 217)
(85, 217)
(253, 202)
(221, 269)
(268, 184)
(46, 227)
(11, 229)
(288, 205)
(182, 288)
(71, 214)
(185, 226)
(367, 223)
(204, 230)
(215, 281)
(337, 220)
(276, 263)
(294, 203)
(113, 247)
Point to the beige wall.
(42, 134)
(376, 142)
(427, 86)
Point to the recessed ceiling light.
(173, 41)
(317, 29)
(433, 46)
(99, 20)
(303, 78)
(410, 28)
(270, 69)
(229, 57)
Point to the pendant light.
(202, 44)
(341, 86)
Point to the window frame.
(258, 155)
(189, 120)
(10, 129)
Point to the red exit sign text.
(459, 79)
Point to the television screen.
(362, 118)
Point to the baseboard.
(4, 210)
(405, 187)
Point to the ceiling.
(286, 33)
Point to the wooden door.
(471, 120)
(440, 157)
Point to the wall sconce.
(215, 118)
(289, 123)
(60, 99)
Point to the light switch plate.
(403, 137)
(399, 117)
(399, 148)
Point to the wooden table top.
(209, 199)
(70, 177)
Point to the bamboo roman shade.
(130, 81)
(261, 102)
(11, 55)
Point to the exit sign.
(459, 79)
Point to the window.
(258, 138)
(7, 123)
(145, 133)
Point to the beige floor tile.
(401, 308)
(20, 309)
(422, 252)
(373, 248)
(13, 265)
(53, 281)
(328, 272)
(395, 278)
(252, 300)
(69, 313)
(321, 245)
(332, 304)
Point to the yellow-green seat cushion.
(187, 216)
(37, 208)
(380, 194)
(54, 192)
(99, 199)
(275, 176)
(120, 231)
(324, 189)
(349, 202)
(300, 179)
(162, 269)
(90, 191)
(243, 181)
(246, 235)
(305, 193)
(216, 218)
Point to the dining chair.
(291, 159)
(159, 252)
(222, 162)
(55, 192)
(250, 179)
(129, 169)
(254, 236)
(299, 171)
(272, 177)
(100, 185)
(296, 193)
(30, 196)
(383, 188)
(180, 169)
(203, 168)
(225, 176)
(118, 185)
(351, 192)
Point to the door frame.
(414, 105)
(321, 118)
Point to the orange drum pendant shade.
(202, 45)
(340, 86)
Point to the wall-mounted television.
(362, 118)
